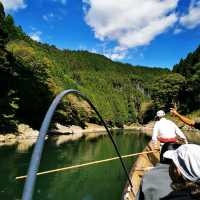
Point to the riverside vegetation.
(33, 73)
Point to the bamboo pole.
(86, 164)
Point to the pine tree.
(3, 34)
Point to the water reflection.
(98, 182)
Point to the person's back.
(156, 183)
(167, 128)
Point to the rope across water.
(86, 164)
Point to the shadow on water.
(97, 182)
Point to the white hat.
(160, 113)
(187, 160)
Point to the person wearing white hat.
(184, 172)
(165, 130)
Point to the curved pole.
(36, 156)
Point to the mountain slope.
(190, 68)
(41, 71)
(116, 89)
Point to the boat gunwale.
(135, 172)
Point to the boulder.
(63, 129)
(2, 138)
(22, 128)
(25, 132)
(10, 137)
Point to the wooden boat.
(144, 162)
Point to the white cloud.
(192, 18)
(111, 53)
(147, 33)
(36, 36)
(47, 17)
(177, 31)
(130, 22)
(13, 4)
(115, 55)
(61, 1)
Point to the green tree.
(3, 34)
(167, 90)
(12, 30)
(190, 68)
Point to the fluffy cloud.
(47, 17)
(130, 22)
(113, 55)
(177, 31)
(13, 4)
(36, 36)
(61, 1)
(116, 56)
(192, 18)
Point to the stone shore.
(26, 136)
(23, 139)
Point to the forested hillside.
(180, 88)
(190, 69)
(32, 74)
(19, 84)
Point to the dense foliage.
(167, 91)
(17, 83)
(180, 89)
(8, 99)
(190, 69)
(116, 89)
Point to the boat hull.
(144, 162)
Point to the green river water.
(98, 182)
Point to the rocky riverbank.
(23, 138)
(26, 136)
(64, 134)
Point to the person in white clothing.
(165, 130)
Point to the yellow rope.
(87, 164)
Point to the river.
(98, 182)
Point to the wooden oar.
(87, 164)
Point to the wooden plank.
(143, 163)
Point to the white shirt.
(165, 128)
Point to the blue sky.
(153, 33)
